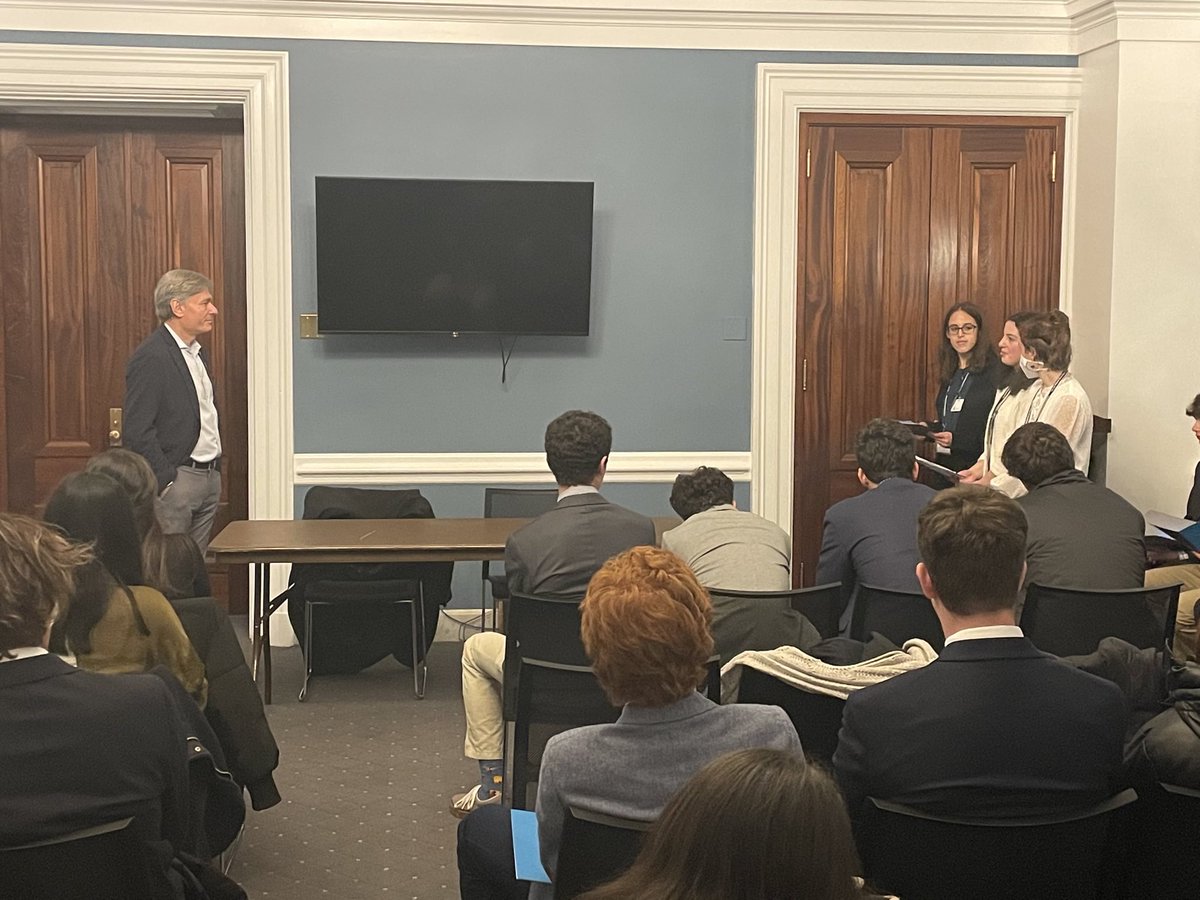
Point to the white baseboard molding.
(501, 468)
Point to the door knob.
(115, 423)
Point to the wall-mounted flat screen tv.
(419, 255)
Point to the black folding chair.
(897, 615)
(1164, 843)
(595, 849)
(923, 857)
(548, 683)
(817, 717)
(510, 503)
(1072, 621)
(821, 605)
(107, 862)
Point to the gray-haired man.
(170, 406)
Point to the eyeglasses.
(961, 329)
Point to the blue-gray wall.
(668, 138)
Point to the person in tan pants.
(1186, 645)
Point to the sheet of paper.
(1185, 530)
(526, 850)
(941, 470)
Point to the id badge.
(958, 405)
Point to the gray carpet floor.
(366, 773)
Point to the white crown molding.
(783, 92)
(499, 468)
(914, 26)
(116, 79)
(1098, 23)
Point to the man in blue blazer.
(872, 538)
(170, 406)
(993, 728)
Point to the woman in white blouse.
(1054, 397)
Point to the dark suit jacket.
(162, 412)
(872, 539)
(1082, 535)
(79, 749)
(991, 728)
(560, 550)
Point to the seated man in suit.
(1081, 534)
(556, 554)
(872, 538)
(993, 727)
(736, 551)
(78, 749)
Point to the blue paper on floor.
(526, 851)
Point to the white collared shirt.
(984, 632)
(23, 653)
(208, 445)
(576, 490)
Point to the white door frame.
(783, 92)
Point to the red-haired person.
(646, 626)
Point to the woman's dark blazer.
(967, 445)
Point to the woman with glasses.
(968, 374)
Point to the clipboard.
(944, 471)
(1185, 531)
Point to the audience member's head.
(700, 489)
(577, 448)
(1193, 410)
(37, 577)
(972, 543)
(751, 825)
(133, 473)
(646, 626)
(1035, 452)
(171, 563)
(885, 450)
(90, 508)
(1047, 335)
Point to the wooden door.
(92, 212)
(901, 218)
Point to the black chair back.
(922, 857)
(104, 863)
(595, 849)
(817, 717)
(548, 682)
(897, 615)
(1072, 621)
(1164, 844)
(821, 605)
(369, 625)
(513, 503)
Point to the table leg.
(266, 631)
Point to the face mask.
(1032, 368)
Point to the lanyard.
(962, 389)
(1042, 408)
(991, 428)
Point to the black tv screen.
(418, 255)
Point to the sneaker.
(462, 805)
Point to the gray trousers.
(189, 504)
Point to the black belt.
(211, 464)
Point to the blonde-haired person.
(752, 825)
(77, 749)
(646, 626)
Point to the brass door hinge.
(808, 163)
(804, 375)
(1054, 167)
